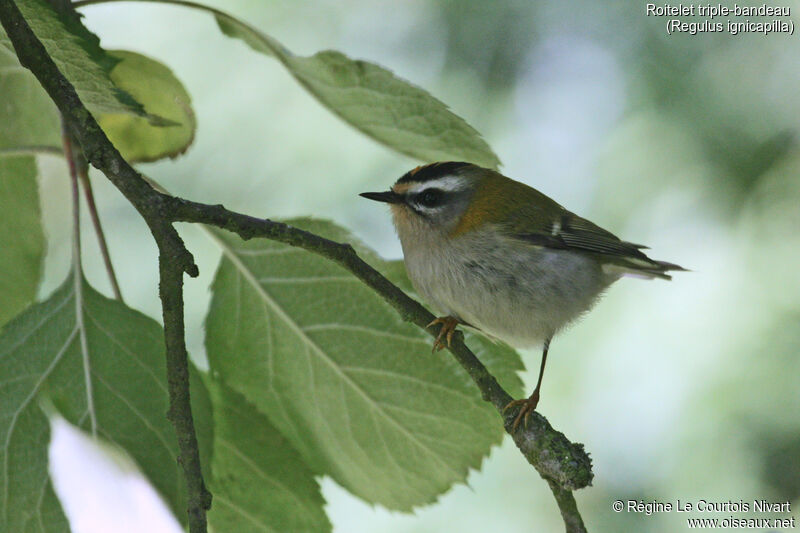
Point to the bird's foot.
(449, 324)
(528, 405)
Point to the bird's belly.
(521, 295)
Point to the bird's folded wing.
(568, 231)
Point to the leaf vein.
(261, 473)
(22, 407)
(363, 329)
(308, 279)
(132, 355)
(139, 415)
(219, 498)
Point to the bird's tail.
(643, 268)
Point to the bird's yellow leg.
(449, 324)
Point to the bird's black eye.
(430, 198)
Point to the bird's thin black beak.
(390, 197)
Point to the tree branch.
(565, 465)
(549, 451)
(569, 509)
(174, 258)
(170, 290)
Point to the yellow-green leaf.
(156, 87)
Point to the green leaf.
(21, 235)
(354, 388)
(28, 116)
(78, 55)
(392, 111)
(101, 365)
(260, 483)
(162, 94)
(372, 99)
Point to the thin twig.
(71, 153)
(83, 174)
(79, 170)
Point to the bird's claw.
(445, 333)
(528, 406)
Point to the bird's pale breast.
(517, 292)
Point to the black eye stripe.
(429, 197)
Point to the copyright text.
(702, 512)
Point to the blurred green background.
(684, 390)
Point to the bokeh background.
(681, 391)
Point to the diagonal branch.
(549, 451)
(565, 465)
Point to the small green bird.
(499, 256)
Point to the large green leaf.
(162, 94)
(388, 109)
(101, 365)
(260, 483)
(27, 115)
(21, 235)
(354, 388)
(369, 97)
(78, 55)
